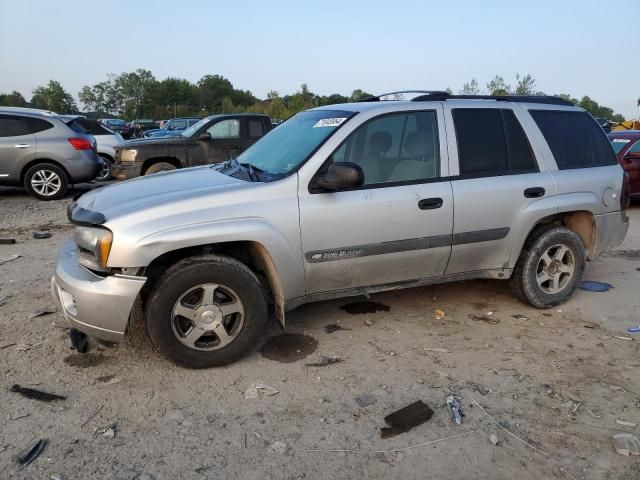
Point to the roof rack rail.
(544, 99)
(400, 94)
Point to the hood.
(142, 142)
(159, 190)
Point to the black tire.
(159, 167)
(104, 174)
(183, 277)
(524, 280)
(40, 171)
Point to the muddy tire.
(159, 167)
(46, 181)
(206, 312)
(550, 267)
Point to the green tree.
(13, 99)
(470, 88)
(177, 95)
(136, 89)
(103, 98)
(358, 95)
(525, 85)
(212, 89)
(498, 86)
(227, 106)
(53, 97)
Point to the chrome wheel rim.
(207, 317)
(46, 182)
(105, 171)
(556, 268)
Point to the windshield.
(194, 128)
(287, 147)
(618, 144)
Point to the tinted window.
(635, 148)
(37, 125)
(394, 148)
(225, 129)
(179, 125)
(11, 126)
(256, 129)
(575, 139)
(90, 126)
(491, 142)
(618, 144)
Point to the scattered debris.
(258, 390)
(29, 454)
(405, 419)
(363, 308)
(108, 431)
(332, 327)
(7, 241)
(56, 476)
(325, 360)
(622, 338)
(25, 415)
(10, 258)
(454, 409)
(518, 316)
(368, 323)
(493, 438)
(438, 314)
(109, 379)
(23, 347)
(144, 476)
(4, 299)
(593, 414)
(7, 345)
(626, 444)
(92, 416)
(42, 235)
(626, 424)
(589, 286)
(633, 330)
(484, 318)
(437, 350)
(36, 394)
(279, 447)
(78, 340)
(41, 312)
(288, 347)
(366, 399)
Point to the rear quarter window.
(37, 125)
(575, 139)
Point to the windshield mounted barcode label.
(329, 122)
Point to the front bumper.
(126, 170)
(98, 306)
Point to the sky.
(583, 47)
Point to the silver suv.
(346, 200)
(43, 154)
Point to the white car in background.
(105, 138)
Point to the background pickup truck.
(213, 139)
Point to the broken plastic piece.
(454, 409)
(406, 418)
(366, 399)
(325, 360)
(41, 235)
(78, 340)
(7, 241)
(257, 390)
(626, 444)
(36, 394)
(590, 286)
(633, 330)
(29, 454)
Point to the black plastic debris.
(455, 409)
(29, 454)
(590, 286)
(325, 360)
(406, 418)
(41, 235)
(78, 340)
(36, 394)
(332, 327)
(7, 241)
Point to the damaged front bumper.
(99, 306)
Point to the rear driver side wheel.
(46, 181)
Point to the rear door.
(498, 179)
(17, 147)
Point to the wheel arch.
(38, 161)
(153, 160)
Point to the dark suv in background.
(43, 154)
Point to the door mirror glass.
(204, 137)
(339, 176)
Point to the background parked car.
(213, 139)
(626, 144)
(117, 125)
(42, 153)
(106, 140)
(137, 128)
(172, 128)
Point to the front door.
(224, 142)
(397, 226)
(17, 147)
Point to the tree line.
(139, 94)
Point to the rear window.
(84, 125)
(491, 142)
(618, 144)
(575, 139)
(256, 129)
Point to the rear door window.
(225, 129)
(575, 139)
(491, 142)
(256, 128)
(13, 126)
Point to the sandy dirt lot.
(557, 380)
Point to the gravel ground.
(555, 380)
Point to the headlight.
(128, 155)
(94, 245)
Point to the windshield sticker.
(620, 140)
(329, 122)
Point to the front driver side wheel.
(206, 311)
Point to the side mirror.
(204, 137)
(339, 176)
(632, 156)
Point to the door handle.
(429, 203)
(21, 145)
(534, 192)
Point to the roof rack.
(545, 99)
(399, 95)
